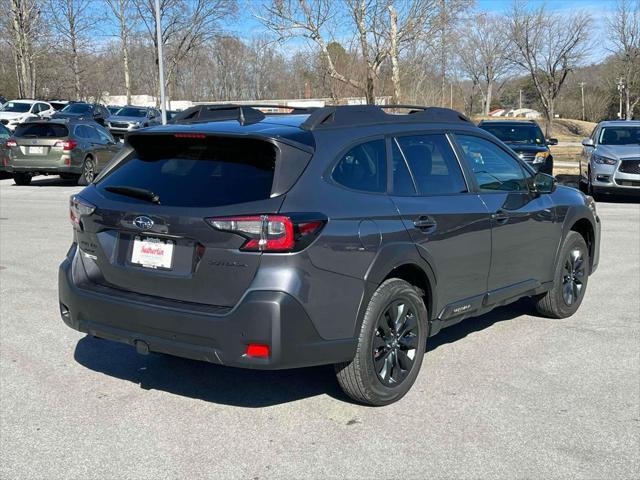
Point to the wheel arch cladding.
(585, 228)
(399, 261)
(416, 276)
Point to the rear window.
(41, 130)
(188, 172)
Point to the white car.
(15, 112)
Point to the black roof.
(285, 127)
(298, 127)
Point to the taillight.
(66, 145)
(11, 143)
(79, 208)
(270, 233)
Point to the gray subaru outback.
(345, 235)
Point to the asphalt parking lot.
(507, 395)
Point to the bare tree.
(311, 20)
(123, 12)
(484, 55)
(409, 23)
(624, 26)
(449, 13)
(548, 46)
(382, 30)
(72, 20)
(186, 26)
(20, 31)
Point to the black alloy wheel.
(395, 343)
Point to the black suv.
(87, 111)
(343, 236)
(526, 139)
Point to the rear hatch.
(39, 144)
(162, 245)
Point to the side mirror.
(588, 142)
(552, 141)
(543, 183)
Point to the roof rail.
(244, 114)
(353, 115)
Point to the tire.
(591, 190)
(581, 185)
(384, 381)
(88, 171)
(569, 281)
(22, 178)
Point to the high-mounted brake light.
(190, 135)
(11, 143)
(269, 233)
(79, 208)
(66, 145)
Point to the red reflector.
(190, 135)
(257, 350)
(309, 227)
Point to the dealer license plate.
(152, 252)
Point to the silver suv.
(610, 160)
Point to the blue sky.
(246, 25)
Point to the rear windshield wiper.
(141, 193)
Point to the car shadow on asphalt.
(52, 181)
(241, 387)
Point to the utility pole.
(582, 95)
(621, 91)
(520, 100)
(163, 102)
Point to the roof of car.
(620, 123)
(60, 121)
(299, 127)
(519, 121)
(285, 127)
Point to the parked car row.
(72, 139)
(73, 148)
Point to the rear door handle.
(501, 216)
(425, 223)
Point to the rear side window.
(208, 172)
(363, 168)
(433, 164)
(41, 130)
(82, 131)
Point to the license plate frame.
(152, 252)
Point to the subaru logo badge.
(143, 223)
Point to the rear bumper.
(216, 335)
